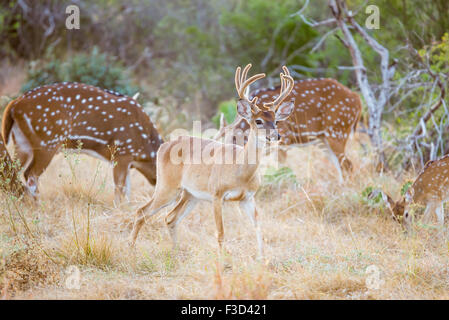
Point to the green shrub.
(94, 68)
(405, 187)
(229, 110)
(372, 197)
(267, 34)
(279, 176)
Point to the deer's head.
(400, 210)
(263, 120)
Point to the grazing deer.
(431, 189)
(110, 126)
(325, 111)
(9, 180)
(216, 180)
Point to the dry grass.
(319, 239)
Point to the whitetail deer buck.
(110, 126)
(431, 189)
(325, 111)
(216, 180)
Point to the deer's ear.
(388, 201)
(244, 109)
(223, 122)
(284, 110)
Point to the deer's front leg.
(219, 220)
(440, 213)
(248, 205)
(121, 180)
(427, 213)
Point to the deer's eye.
(258, 121)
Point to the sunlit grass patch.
(319, 238)
(86, 246)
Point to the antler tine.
(283, 81)
(268, 105)
(245, 73)
(240, 77)
(254, 100)
(287, 84)
(248, 82)
(237, 79)
(280, 98)
(289, 87)
(241, 83)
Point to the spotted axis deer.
(9, 178)
(431, 189)
(109, 126)
(325, 112)
(216, 180)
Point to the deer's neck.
(252, 152)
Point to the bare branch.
(313, 24)
(376, 105)
(323, 38)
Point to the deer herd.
(115, 128)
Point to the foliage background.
(181, 54)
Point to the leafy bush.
(405, 187)
(268, 34)
(206, 47)
(279, 176)
(94, 68)
(229, 110)
(438, 54)
(372, 197)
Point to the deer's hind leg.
(147, 170)
(24, 152)
(181, 210)
(430, 208)
(121, 175)
(162, 198)
(24, 155)
(440, 213)
(334, 153)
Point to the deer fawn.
(216, 181)
(325, 111)
(431, 188)
(110, 126)
(9, 180)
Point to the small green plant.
(371, 197)
(405, 188)
(168, 260)
(279, 176)
(228, 108)
(97, 185)
(85, 248)
(73, 159)
(147, 265)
